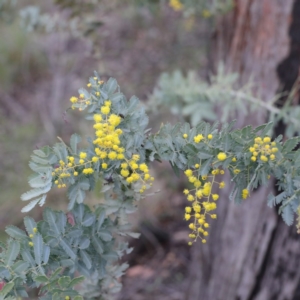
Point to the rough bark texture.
(251, 254)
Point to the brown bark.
(251, 254)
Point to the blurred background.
(192, 60)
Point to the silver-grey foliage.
(51, 252)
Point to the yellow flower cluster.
(176, 5)
(245, 193)
(133, 171)
(202, 202)
(82, 101)
(107, 144)
(72, 168)
(62, 172)
(264, 149)
(107, 148)
(107, 140)
(199, 137)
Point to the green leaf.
(67, 263)
(104, 235)
(203, 154)
(29, 224)
(227, 142)
(15, 232)
(74, 141)
(288, 215)
(133, 102)
(101, 219)
(40, 180)
(36, 192)
(26, 255)
(76, 281)
(235, 136)
(39, 152)
(271, 200)
(39, 160)
(116, 97)
(86, 259)
(30, 206)
(84, 242)
(190, 149)
(111, 256)
(56, 296)
(61, 152)
(38, 248)
(7, 288)
(205, 167)
(61, 221)
(259, 128)
(68, 249)
(46, 254)
(56, 273)
(39, 168)
(97, 245)
(88, 220)
(64, 281)
(20, 266)
(76, 194)
(21, 292)
(12, 252)
(50, 218)
(267, 129)
(290, 144)
(111, 85)
(41, 279)
(280, 197)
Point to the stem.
(265, 105)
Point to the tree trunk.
(251, 254)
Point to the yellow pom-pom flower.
(215, 197)
(186, 191)
(105, 110)
(192, 226)
(82, 155)
(187, 217)
(97, 118)
(245, 194)
(222, 156)
(198, 138)
(188, 172)
(135, 157)
(221, 184)
(73, 99)
(190, 198)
